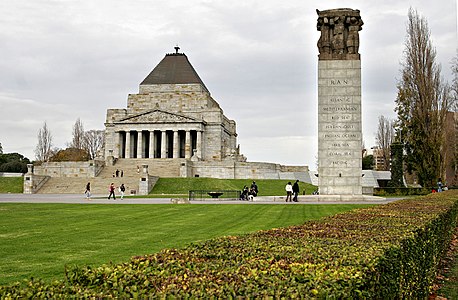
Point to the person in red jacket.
(112, 191)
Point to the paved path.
(102, 199)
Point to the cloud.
(257, 58)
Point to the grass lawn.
(182, 186)
(449, 289)
(38, 240)
(11, 185)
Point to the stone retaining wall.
(86, 169)
(240, 170)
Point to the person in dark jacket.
(295, 190)
(88, 191)
(122, 189)
(254, 189)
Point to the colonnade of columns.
(159, 143)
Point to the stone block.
(339, 127)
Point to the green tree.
(396, 165)
(368, 162)
(13, 162)
(421, 103)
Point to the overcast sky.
(67, 59)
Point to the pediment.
(159, 116)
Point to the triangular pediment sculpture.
(159, 116)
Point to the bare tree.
(422, 103)
(454, 88)
(94, 141)
(43, 151)
(383, 139)
(78, 135)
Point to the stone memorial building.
(175, 127)
(173, 116)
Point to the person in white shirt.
(289, 192)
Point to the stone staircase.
(167, 167)
(99, 185)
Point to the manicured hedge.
(384, 252)
(401, 191)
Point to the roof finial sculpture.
(176, 49)
(339, 38)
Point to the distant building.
(379, 159)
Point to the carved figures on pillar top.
(339, 38)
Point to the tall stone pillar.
(339, 103)
(175, 144)
(151, 144)
(117, 147)
(187, 144)
(163, 144)
(28, 180)
(140, 144)
(128, 144)
(199, 144)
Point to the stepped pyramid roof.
(174, 68)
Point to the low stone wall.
(294, 168)
(7, 174)
(240, 170)
(81, 169)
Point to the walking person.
(122, 189)
(112, 191)
(289, 191)
(295, 190)
(88, 191)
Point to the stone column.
(339, 103)
(144, 185)
(139, 144)
(176, 147)
(163, 144)
(199, 144)
(28, 180)
(187, 145)
(117, 147)
(151, 144)
(127, 144)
